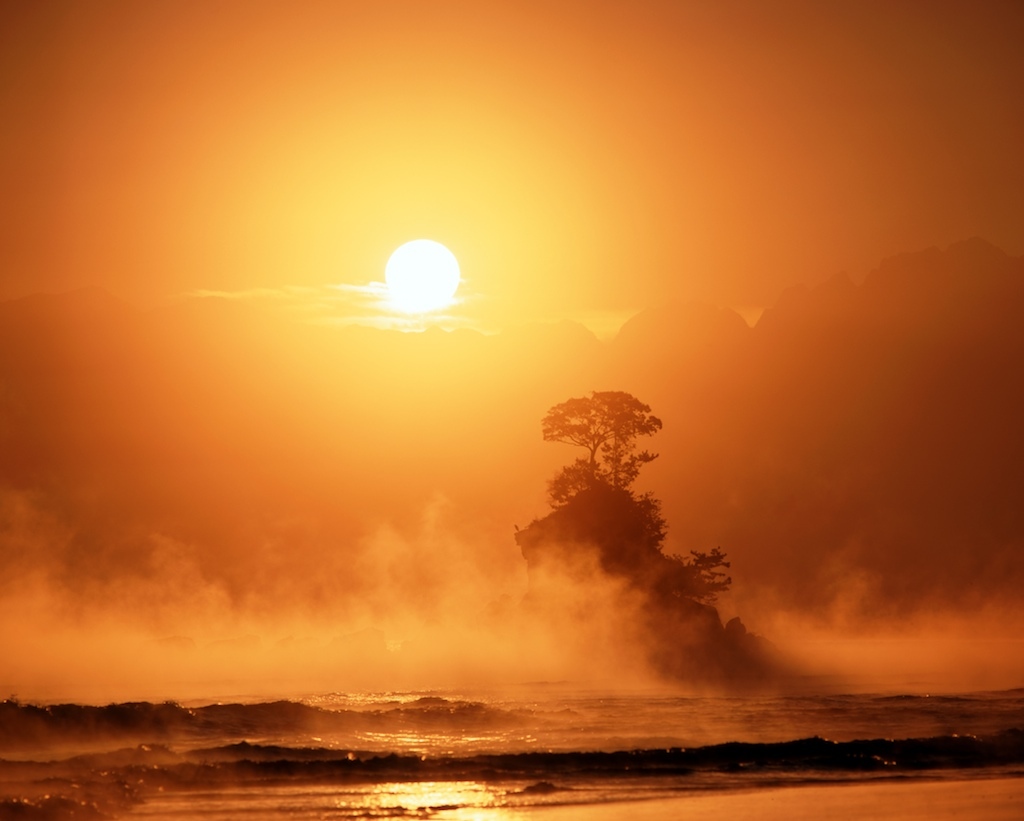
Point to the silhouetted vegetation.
(602, 544)
(606, 425)
(594, 502)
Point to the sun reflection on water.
(432, 796)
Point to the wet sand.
(996, 799)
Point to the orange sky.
(210, 465)
(582, 159)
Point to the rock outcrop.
(607, 538)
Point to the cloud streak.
(346, 304)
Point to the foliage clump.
(606, 424)
(594, 502)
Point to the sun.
(422, 276)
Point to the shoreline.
(996, 798)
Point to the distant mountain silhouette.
(863, 437)
(681, 328)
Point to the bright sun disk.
(422, 276)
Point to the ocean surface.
(480, 755)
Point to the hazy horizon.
(212, 486)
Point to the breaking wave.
(418, 755)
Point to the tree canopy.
(606, 424)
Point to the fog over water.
(214, 495)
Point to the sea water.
(480, 754)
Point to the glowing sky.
(581, 159)
(212, 466)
